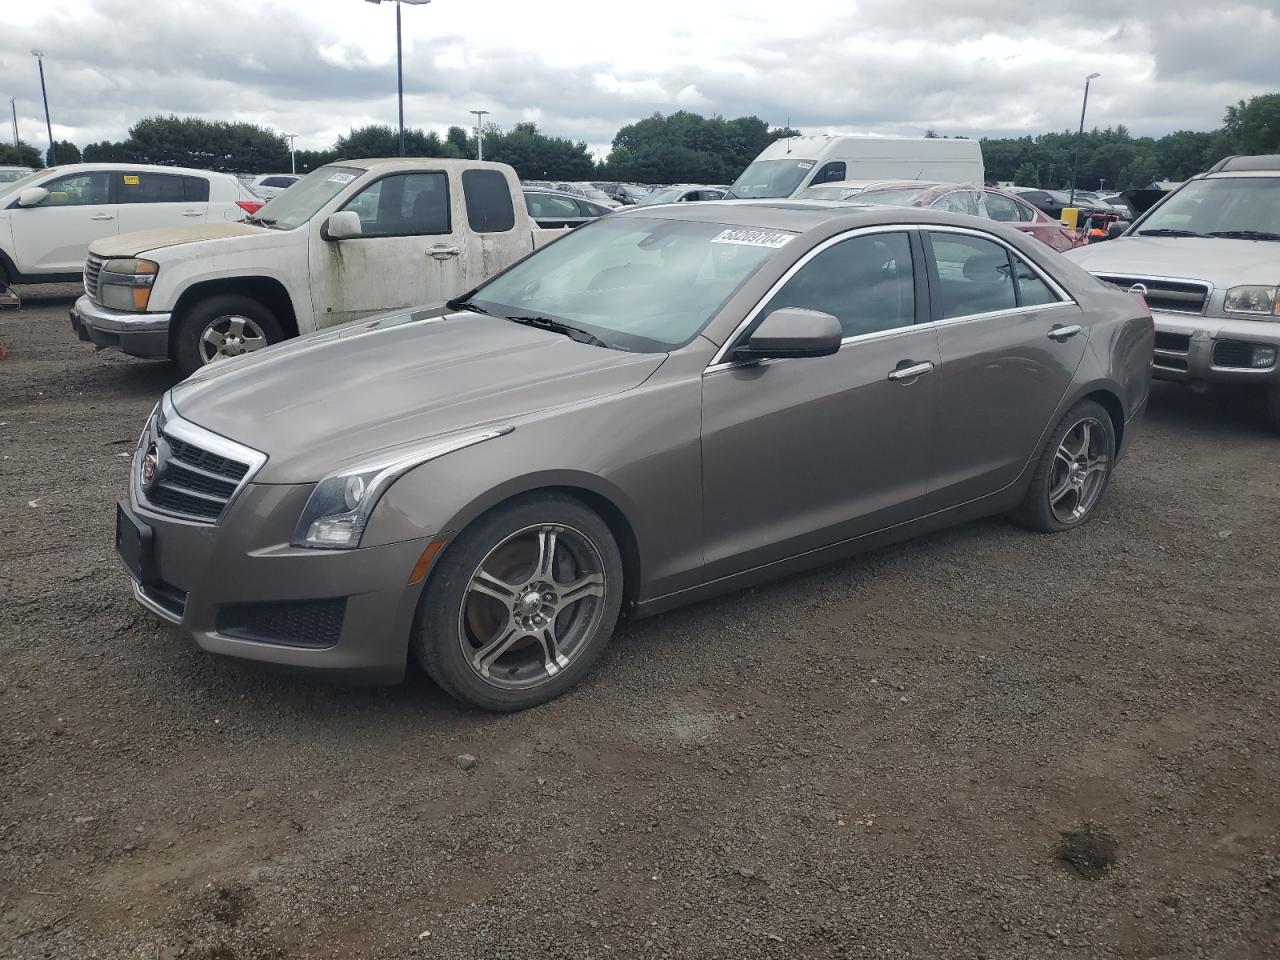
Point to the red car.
(986, 202)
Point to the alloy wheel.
(1079, 471)
(230, 336)
(532, 605)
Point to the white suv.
(270, 185)
(49, 218)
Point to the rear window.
(488, 199)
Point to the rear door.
(148, 200)
(1011, 341)
(801, 453)
(54, 237)
(410, 251)
(489, 240)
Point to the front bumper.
(210, 573)
(1193, 348)
(137, 334)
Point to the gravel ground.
(988, 743)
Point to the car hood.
(335, 397)
(145, 241)
(1222, 262)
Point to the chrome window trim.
(171, 422)
(718, 362)
(1057, 288)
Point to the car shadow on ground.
(1225, 410)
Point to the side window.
(150, 187)
(958, 201)
(403, 205)
(1002, 208)
(488, 199)
(830, 173)
(865, 282)
(974, 275)
(195, 189)
(546, 207)
(278, 182)
(1032, 291)
(1026, 212)
(78, 190)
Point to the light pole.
(44, 93)
(480, 115)
(1075, 157)
(293, 156)
(13, 107)
(400, 60)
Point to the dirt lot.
(879, 759)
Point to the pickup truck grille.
(1171, 296)
(92, 271)
(193, 483)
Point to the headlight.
(340, 506)
(126, 284)
(1252, 300)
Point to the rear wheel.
(521, 604)
(223, 327)
(1073, 471)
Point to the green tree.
(64, 150)
(1027, 175)
(23, 155)
(687, 147)
(380, 140)
(1253, 126)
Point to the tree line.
(682, 147)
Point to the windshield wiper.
(1163, 232)
(468, 304)
(266, 222)
(559, 326)
(1245, 234)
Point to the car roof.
(414, 163)
(1256, 162)
(145, 167)
(800, 216)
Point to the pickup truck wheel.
(223, 327)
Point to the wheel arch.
(1110, 401)
(268, 291)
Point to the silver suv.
(1207, 258)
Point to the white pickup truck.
(350, 239)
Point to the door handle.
(1063, 334)
(192, 213)
(441, 252)
(103, 216)
(911, 371)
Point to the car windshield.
(1227, 205)
(771, 178)
(13, 176)
(593, 193)
(828, 193)
(635, 192)
(670, 195)
(635, 283)
(293, 207)
(899, 197)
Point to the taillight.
(250, 206)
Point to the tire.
(518, 639)
(223, 314)
(1065, 491)
(1273, 408)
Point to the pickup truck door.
(54, 237)
(496, 236)
(148, 200)
(410, 252)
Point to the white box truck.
(786, 167)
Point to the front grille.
(193, 483)
(1173, 342)
(301, 623)
(92, 272)
(1171, 296)
(167, 596)
(1232, 353)
(1171, 363)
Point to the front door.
(1005, 366)
(54, 237)
(801, 453)
(410, 251)
(148, 200)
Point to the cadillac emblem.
(150, 467)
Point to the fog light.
(1263, 356)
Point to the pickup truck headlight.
(1253, 301)
(126, 284)
(339, 507)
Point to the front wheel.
(1073, 471)
(521, 604)
(222, 327)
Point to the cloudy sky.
(580, 69)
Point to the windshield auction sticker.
(747, 237)
(342, 178)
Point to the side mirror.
(343, 225)
(1116, 228)
(33, 197)
(793, 332)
